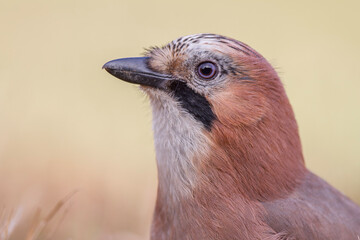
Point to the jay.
(229, 157)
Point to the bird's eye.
(207, 70)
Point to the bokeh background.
(66, 125)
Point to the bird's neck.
(262, 162)
(200, 169)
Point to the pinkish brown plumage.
(229, 157)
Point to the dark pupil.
(206, 70)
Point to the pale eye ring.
(207, 70)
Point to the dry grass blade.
(8, 222)
(39, 225)
(58, 206)
(52, 233)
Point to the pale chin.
(154, 93)
(148, 90)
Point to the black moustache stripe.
(196, 104)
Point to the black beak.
(136, 70)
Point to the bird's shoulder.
(315, 210)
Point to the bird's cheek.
(239, 105)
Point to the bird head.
(221, 116)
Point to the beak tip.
(105, 66)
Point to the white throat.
(179, 138)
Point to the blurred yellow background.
(66, 124)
